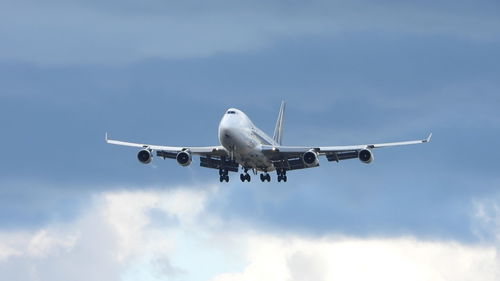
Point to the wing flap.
(290, 164)
(166, 154)
(337, 156)
(219, 163)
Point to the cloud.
(287, 259)
(97, 32)
(121, 236)
(487, 222)
(115, 232)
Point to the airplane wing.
(289, 157)
(197, 150)
(215, 157)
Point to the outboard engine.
(145, 156)
(366, 156)
(310, 158)
(184, 158)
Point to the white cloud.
(47, 242)
(113, 235)
(277, 258)
(119, 238)
(487, 219)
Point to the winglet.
(106, 137)
(428, 138)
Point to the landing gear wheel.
(281, 175)
(242, 177)
(223, 175)
(262, 178)
(268, 177)
(247, 177)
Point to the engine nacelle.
(145, 156)
(310, 158)
(184, 158)
(365, 156)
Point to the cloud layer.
(105, 32)
(157, 234)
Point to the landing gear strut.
(245, 176)
(223, 175)
(281, 175)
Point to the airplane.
(244, 145)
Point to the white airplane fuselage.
(243, 140)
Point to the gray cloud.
(164, 268)
(106, 32)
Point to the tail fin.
(278, 130)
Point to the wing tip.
(428, 138)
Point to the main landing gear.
(245, 176)
(265, 177)
(223, 175)
(281, 175)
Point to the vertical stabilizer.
(278, 130)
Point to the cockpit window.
(231, 112)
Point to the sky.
(164, 72)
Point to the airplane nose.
(224, 131)
(228, 134)
(226, 126)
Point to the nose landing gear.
(265, 177)
(245, 176)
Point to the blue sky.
(164, 72)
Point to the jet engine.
(145, 156)
(366, 156)
(310, 158)
(184, 158)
